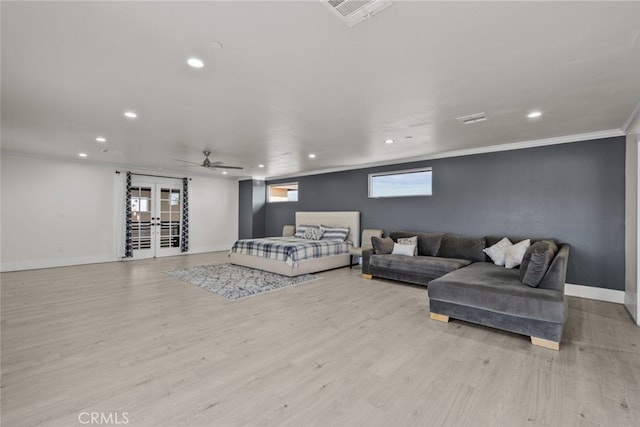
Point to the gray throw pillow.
(301, 229)
(313, 234)
(462, 247)
(536, 262)
(381, 245)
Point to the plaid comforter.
(290, 249)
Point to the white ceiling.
(292, 79)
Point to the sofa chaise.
(464, 283)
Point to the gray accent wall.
(251, 212)
(572, 192)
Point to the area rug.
(234, 281)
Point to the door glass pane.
(141, 200)
(155, 224)
(169, 218)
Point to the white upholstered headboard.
(349, 219)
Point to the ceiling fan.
(207, 163)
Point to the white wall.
(632, 229)
(213, 213)
(58, 213)
(55, 213)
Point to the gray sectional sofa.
(463, 282)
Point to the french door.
(156, 218)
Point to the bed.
(274, 254)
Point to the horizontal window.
(287, 192)
(413, 182)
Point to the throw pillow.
(498, 252)
(313, 234)
(400, 249)
(428, 243)
(515, 253)
(334, 233)
(536, 262)
(382, 246)
(410, 241)
(463, 247)
(301, 229)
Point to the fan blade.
(186, 161)
(227, 167)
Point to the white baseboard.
(631, 303)
(211, 248)
(591, 292)
(55, 262)
(581, 291)
(67, 262)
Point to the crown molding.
(632, 120)
(468, 152)
(118, 166)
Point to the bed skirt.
(306, 266)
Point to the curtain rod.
(155, 176)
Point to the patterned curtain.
(184, 245)
(128, 245)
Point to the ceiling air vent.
(352, 12)
(473, 118)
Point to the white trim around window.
(401, 183)
(282, 192)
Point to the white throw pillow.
(410, 241)
(498, 252)
(515, 253)
(334, 233)
(407, 250)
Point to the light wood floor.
(339, 351)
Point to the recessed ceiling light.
(101, 139)
(389, 141)
(130, 115)
(534, 114)
(195, 62)
(82, 154)
(312, 156)
(224, 172)
(260, 165)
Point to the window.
(413, 182)
(287, 192)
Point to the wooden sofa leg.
(541, 342)
(367, 276)
(440, 317)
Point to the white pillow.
(399, 249)
(410, 241)
(515, 253)
(334, 233)
(498, 252)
